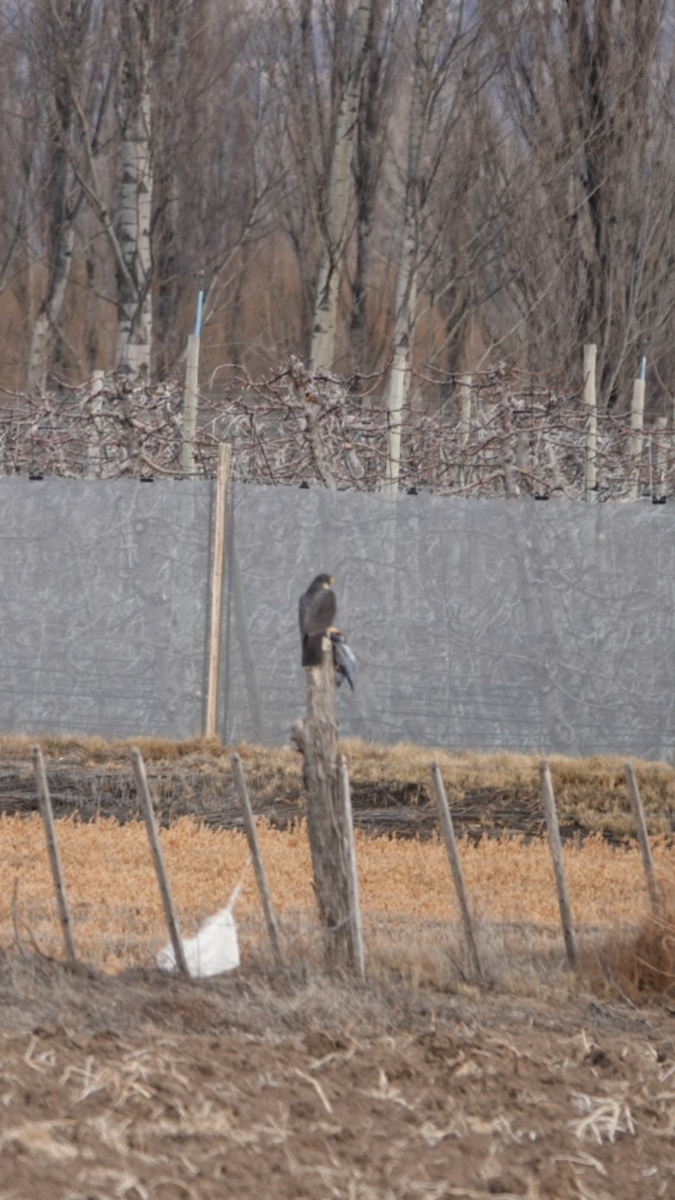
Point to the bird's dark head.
(323, 581)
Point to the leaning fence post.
(455, 866)
(555, 846)
(642, 836)
(53, 851)
(158, 858)
(258, 866)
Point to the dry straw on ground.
(117, 911)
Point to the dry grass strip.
(117, 910)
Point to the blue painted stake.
(198, 321)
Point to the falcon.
(317, 610)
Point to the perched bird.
(343, 658)
(317, 610)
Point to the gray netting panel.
(103, 606)
(476, 623)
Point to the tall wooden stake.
(218, 569)
(642, 837)
(53, 852)
(637, 413)
(591, 481)
(258, 866)
(158, 858)
(455, 867)
(552, 828)
(187, 455)
(316, 737)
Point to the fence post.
(464, 427)
(158, 858)
(93, 448)
(590, 402)
(217, 580)
(187, 454)
(315, 736)
(636, 422)
(455, 866)
(258, 866)
(53, 852)
(642, 836)
(660, 459)
(555, 846)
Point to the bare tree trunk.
(334, 221)
(369, 155)
(406, 283)
(134, 332)
(47, 320)
(60, 52)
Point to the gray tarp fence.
(482, 624)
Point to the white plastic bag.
(214, 948)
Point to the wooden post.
(53, 852)
(591, 481)
(455, 867)
(635, 452)
(642, 836)
(217, 575)
(158, 858)
(245, 647)
(555, 846)
(187, 454)
(93, 446)
(352, 873)
(660, 458)
(464, 396)
(316, 737)
(258, 866)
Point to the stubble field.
(119, 1080)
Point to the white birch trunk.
(134, 331)
(398, 388)
(338, 194)
(49, 315)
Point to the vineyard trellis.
(526, 435)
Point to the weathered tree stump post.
(330, 839)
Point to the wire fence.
(517, 434)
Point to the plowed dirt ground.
(142, 1086)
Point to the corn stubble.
(410, 914)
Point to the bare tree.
(333, 217)
(134, 109)
(588, 87)
(59, 44)
(443, 44)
